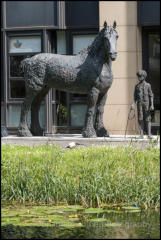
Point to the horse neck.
(96, 53)
(101, 57)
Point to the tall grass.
(87, 176)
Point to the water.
(75, 222)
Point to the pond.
(76, 222)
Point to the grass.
(88, 176)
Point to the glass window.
(15, 66)
(78, 97)
(61, 108)
(61, 42)
(21, 47)
(154, 63)
(154, 72)
(14, 115)
(42, 115)
(25, 44)
(78, 112)
(17, 89)
(157, 116)
(82, 41)
(2, 115)
(61, 104)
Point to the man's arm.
(135, 100)
(151, 97)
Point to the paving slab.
(63, 140)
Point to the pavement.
(64, 140)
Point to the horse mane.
(95, 45)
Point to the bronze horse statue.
(88, 72)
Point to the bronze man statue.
(143, 96)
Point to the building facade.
(67, 27)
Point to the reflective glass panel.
(61, 108)
(2, 115)
(78, 112)
(42, 115)
(14, 116)
(81, 42)
(61, 42)
(154, 72)
(25, 44)
(78, 97)
(17, 89)
(15, 66)
(154, 63)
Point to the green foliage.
(87, 176)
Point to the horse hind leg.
(101, 131)
(35, 107)
(23, 129)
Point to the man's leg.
(140, 119)
(141, 128)
(148, 122)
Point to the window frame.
(9, 78)
(10, 100)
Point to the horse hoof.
(89, 134)
(23, 133)
(37, 132)
(102, 132)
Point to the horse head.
(110, 37)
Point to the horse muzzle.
(113, 56)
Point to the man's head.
(141, 74)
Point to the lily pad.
(69, 210)
(94, 210)
(76, 207)
(134, 211)
(28, 215)
(57, 217)
(98, 220)
(74, 219)
(43, 209)
(113, 224)
(113, 211)
(10, 221)
(130, 208)
(10, 214)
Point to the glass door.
(154, 73)
(151, 63)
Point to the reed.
(88, 176)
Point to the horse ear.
(105, 24)
(114, 24)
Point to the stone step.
(64, 140)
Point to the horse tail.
(24, 64)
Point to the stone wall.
(128, 62)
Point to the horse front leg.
(23, 129)
(88, 130)
(101, 131)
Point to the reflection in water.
(73, 223)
